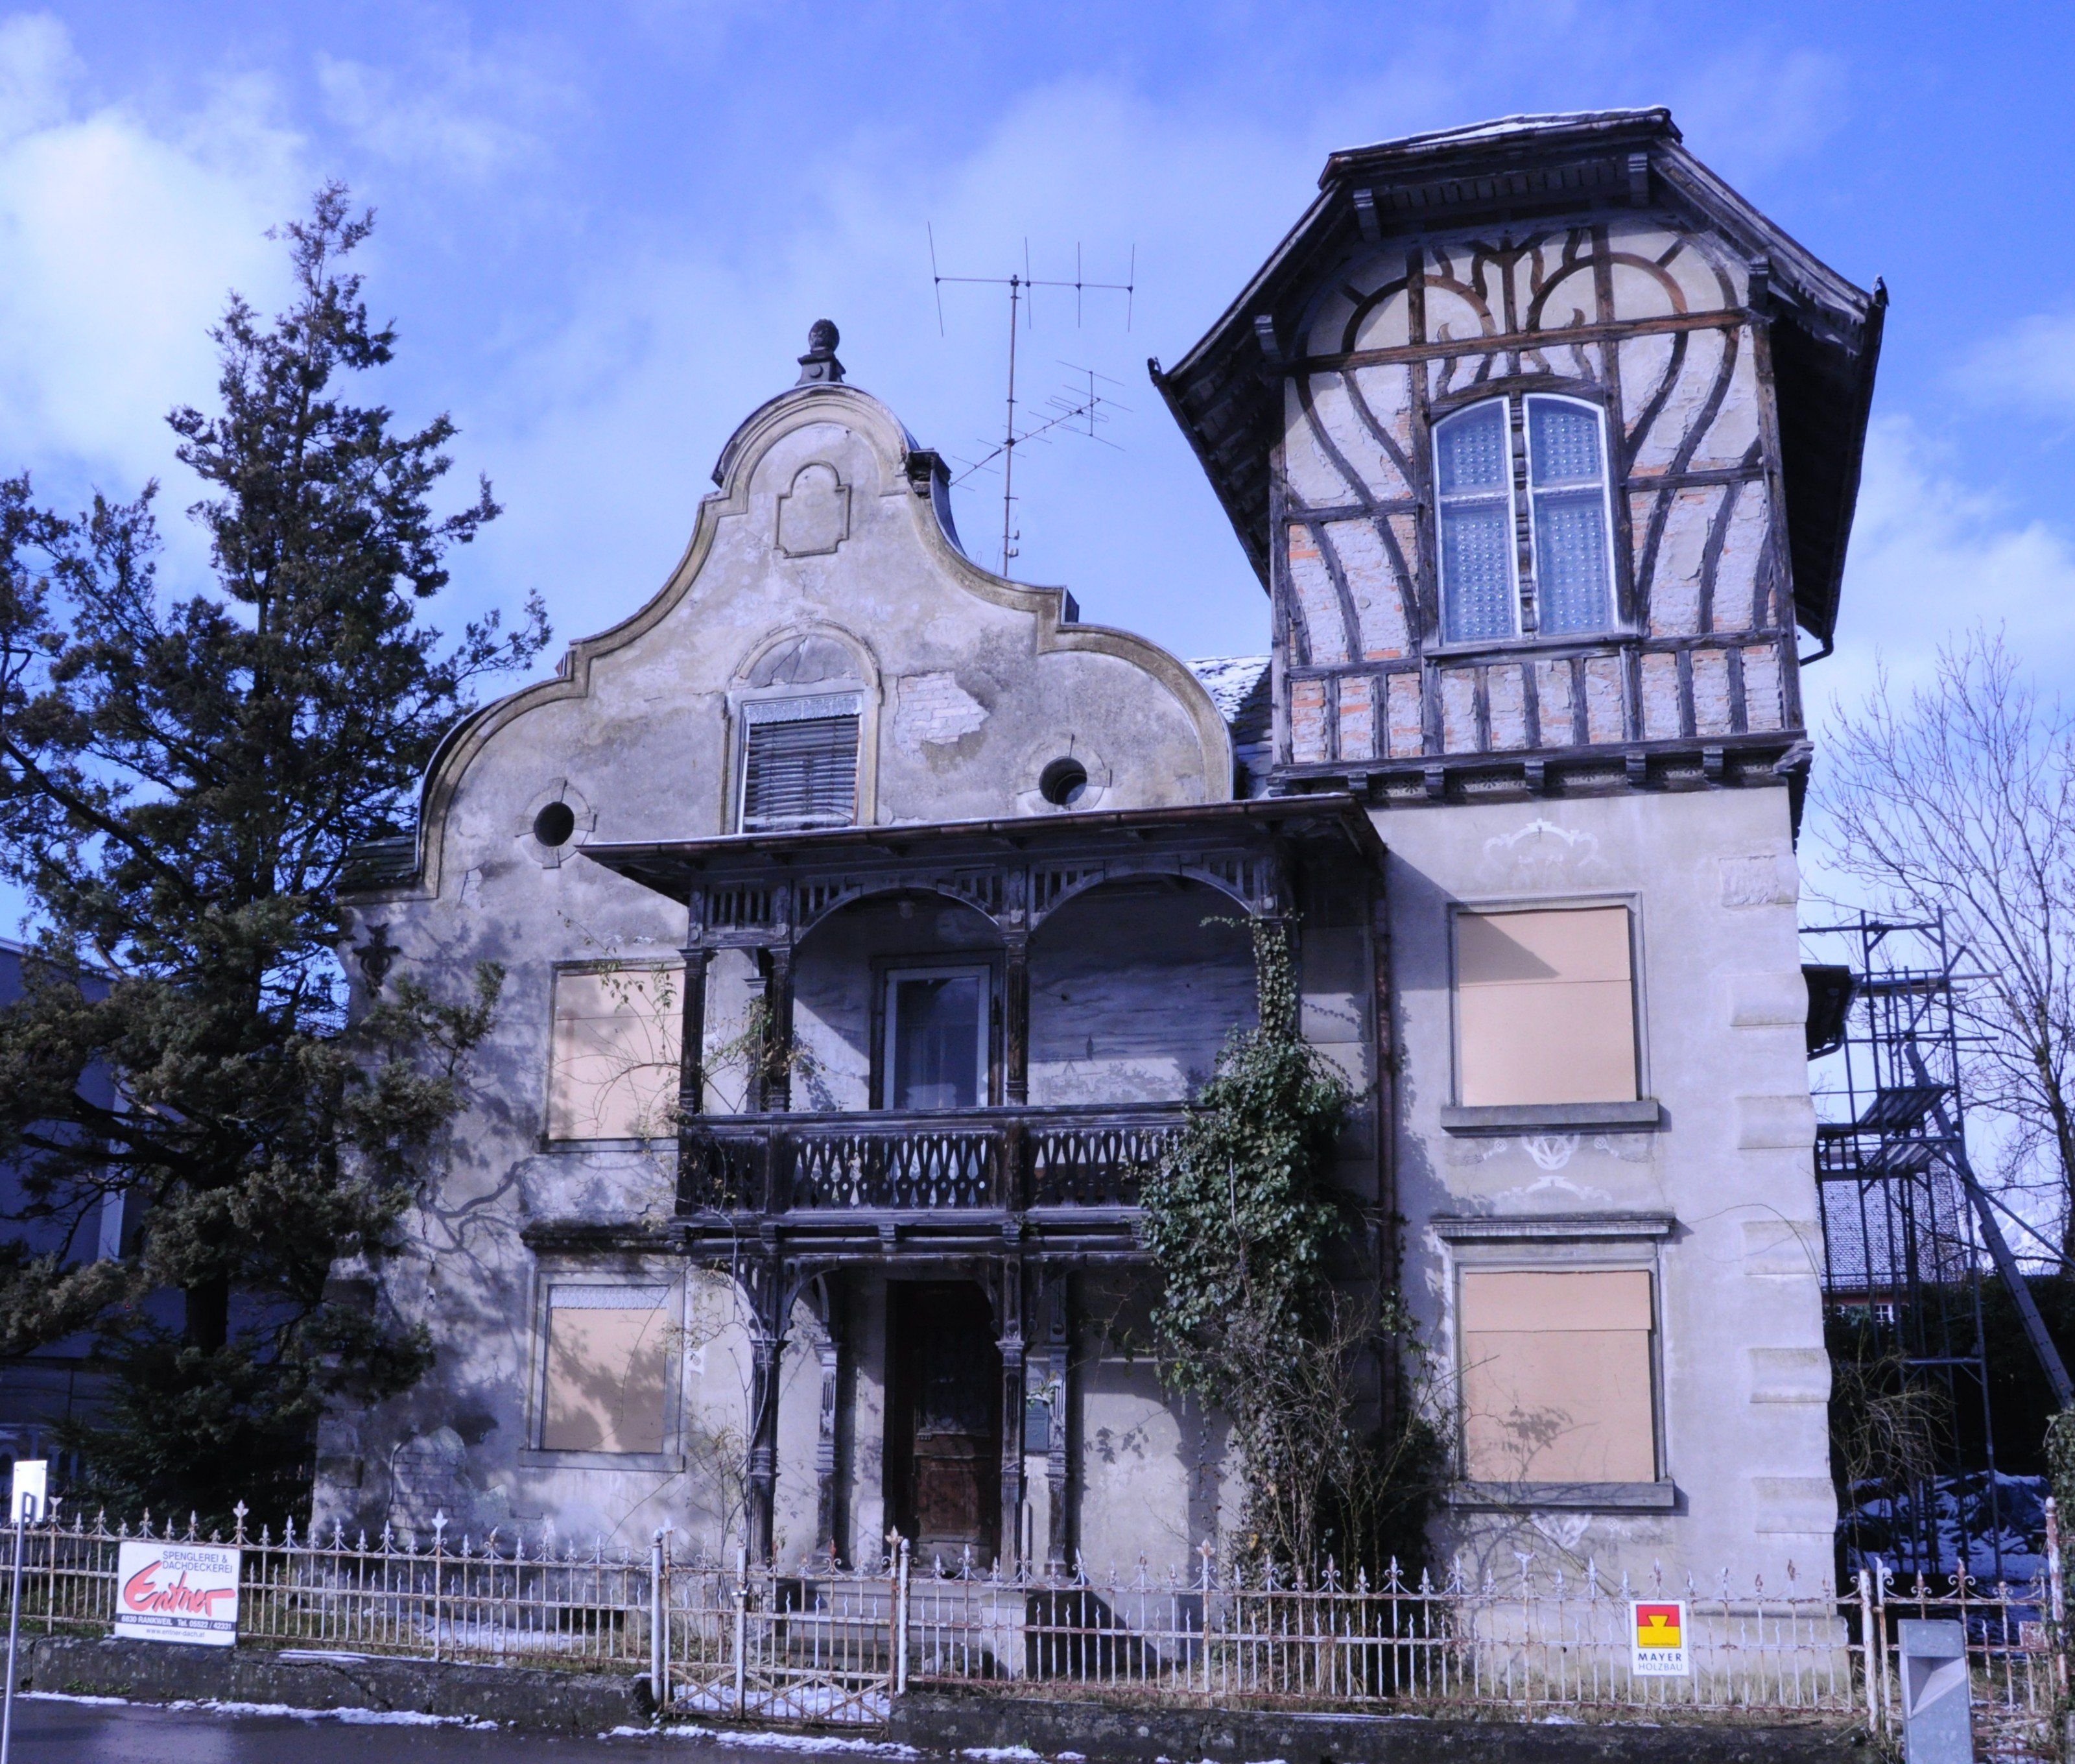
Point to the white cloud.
(600, 438)
(118, 243)
(37, 67)
(2030, 365)
(458, 115)
(1750, 111)
(1930, 555)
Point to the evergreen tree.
(179, 784)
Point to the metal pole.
(1999, 1252)
(1866, 1646)
(13, 1633)
(900, 1620)
(2057, 1601)
(659, 1633)
(1009, 436)
(741, 1632)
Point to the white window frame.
(1503, 401)
(1520, 480)
(1606, 489)
(891, 979)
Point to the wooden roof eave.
(1833, 314)
(675, 868)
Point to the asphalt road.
(49, 1730)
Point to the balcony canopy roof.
(678, 868)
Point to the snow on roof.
(1238, 686)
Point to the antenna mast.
(1022, 303)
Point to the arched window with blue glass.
(1551, 449)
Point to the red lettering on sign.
(142, 1593)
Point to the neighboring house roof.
(1824, 331)
(380, 863)
(1238, 686)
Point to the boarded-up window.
(614, 1072)
(1545, 1007)
(1556, 1384)
(608, 1364)
(799, 763)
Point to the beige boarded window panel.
(615, 1059)
(608, 1363)
(1545, 1007)
(1556, 1376)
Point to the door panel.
(944, 1436)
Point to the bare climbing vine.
(1268, 1315)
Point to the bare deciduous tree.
(1959, 797)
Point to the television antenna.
(1067, 410)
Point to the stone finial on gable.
(819, 366)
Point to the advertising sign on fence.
(1657, 1627)
(170, 1591)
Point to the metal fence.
(830, 1646)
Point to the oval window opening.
(554, 824)
(1063, 783)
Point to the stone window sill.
(1471, 649)
(1546, 1496)
(533, 1458)
(658, 1142)
(1644, 1116)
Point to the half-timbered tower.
(868, 920)
(1545, 444)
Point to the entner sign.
(169, 1591)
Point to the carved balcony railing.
(1009, 1160)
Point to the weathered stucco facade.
(867, 919)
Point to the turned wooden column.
(1059, 1532)
(1016, 1020)
(1009, 1549)
(692, 1035)
(766, 1294)
(776, 1061)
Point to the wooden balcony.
(884, 1181)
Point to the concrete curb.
(1113, 1734)
(574, 1702)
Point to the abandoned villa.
(869, 919)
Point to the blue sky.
(604, 228)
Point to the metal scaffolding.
(1907, 1233)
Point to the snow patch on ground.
(64, 1696)
(347, 1717)
(771, 1742)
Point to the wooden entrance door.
(943, 1457)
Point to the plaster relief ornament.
(813, 516)
(1566, 1530)
(1539, 854)
(1550, 1151)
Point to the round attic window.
(1063, 783)
(554, 824)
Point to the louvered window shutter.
(799, 770)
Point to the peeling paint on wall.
(935, 711)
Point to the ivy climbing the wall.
(1269, 1311)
